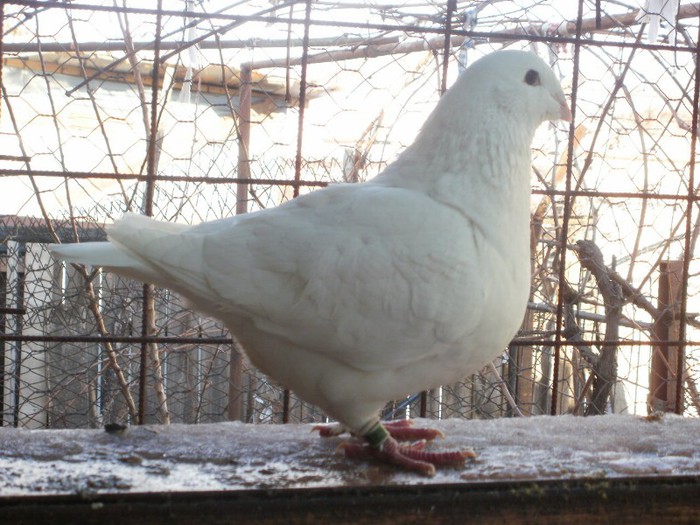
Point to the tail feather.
(104, 254)
(142, 249)
(93, 253)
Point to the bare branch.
(605, 369)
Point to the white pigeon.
(358, 294)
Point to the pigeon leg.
(381, 445)
(400, 429)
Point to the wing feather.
(342, 272)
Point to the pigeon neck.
(486, 156)
(483, 172)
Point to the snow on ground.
(231, 456)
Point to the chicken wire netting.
(191, 111)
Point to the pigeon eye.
(532, 78)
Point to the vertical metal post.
(423, 404)
(3, 347)
(244, 116)
(664, 359)
(451, 6)
(302, 97)
(286, 401)
(564, 233)
(147, 314)
(2, 40)
(688, 251)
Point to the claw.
(411, 457)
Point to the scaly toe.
(390, 452)
(403, 430)
(409, 457)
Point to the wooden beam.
(208, 79)
(645, 501)
(664, 358)
(564, 29)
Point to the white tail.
(93, 253)
(105, 254)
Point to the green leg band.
(377, 435)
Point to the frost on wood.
(235, 456)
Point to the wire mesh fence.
(191, 111)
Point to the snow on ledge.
(235, 456)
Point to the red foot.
(403, 430)
(412, 457)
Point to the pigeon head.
(522, 86)
(500, 100)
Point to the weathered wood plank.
(646, 501)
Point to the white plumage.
(355, 295)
